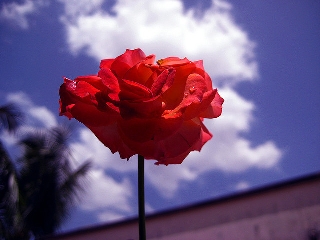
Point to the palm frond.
(48, 182)
(74, 183)
(37, 190)
(10, 217)
(10, 117)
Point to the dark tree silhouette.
(48, 183)
(11, 225)
(10, 117)
(41, 186)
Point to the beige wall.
(290, 225)
(286, 211)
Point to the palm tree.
(41, 186)
(10, 219)
(48, 183)
(10, 117)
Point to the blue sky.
(264, 57)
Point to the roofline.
(228, 197)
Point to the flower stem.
(141, 202)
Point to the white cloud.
(76, 7)
(237, 112)
(227, 151)
(17, 13)
(107, 196)
(110, 198)
(164, 28)
(35, 116)
(167, 178)
(88, 146)
(110, 216)
(242, 185)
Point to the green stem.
(141, 202)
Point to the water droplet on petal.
(192, 90)
(73, 85)
(186, 95)
(163, 104)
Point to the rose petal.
(173, 160)
(126, 61)
(93, 80)
(194, 92)
(106, 63)
(140, 72)
(215, 108)
(110, 137)
(174, 95)
(196, 108)
(142, 130)
(130, 90)
(172, 61)
(192, 136)
(78, 103)
(137, 129)
(80, 89)
(163, 82)
(135, 106)
(110, 82)
(141, 109)
(187, 135)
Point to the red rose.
(135, 106)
